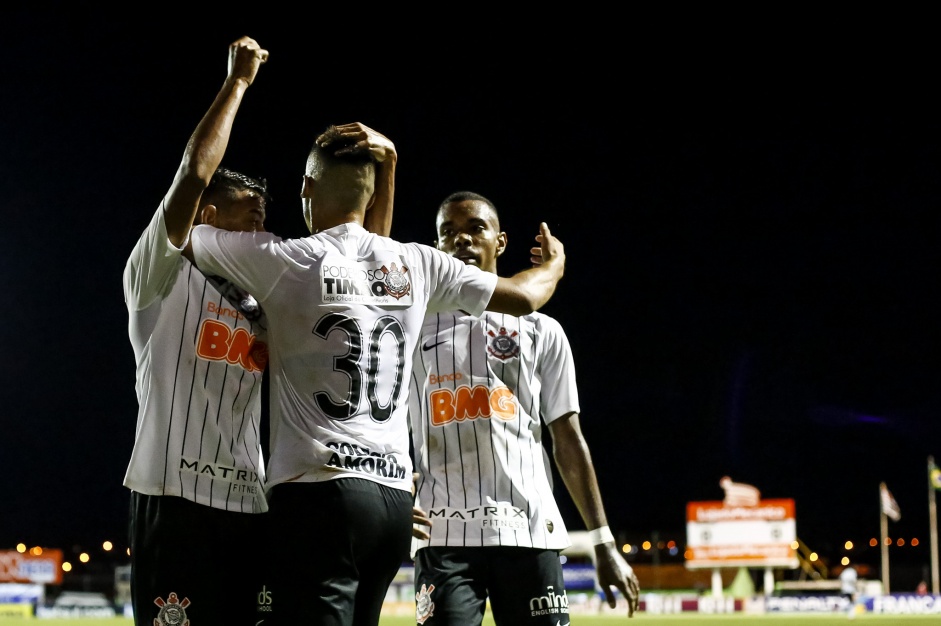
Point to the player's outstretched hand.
(615, 573)
(245, 57)
(361, 137)
(549, 250)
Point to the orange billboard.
(45, 568)
(723, 535)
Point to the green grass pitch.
(639, 619)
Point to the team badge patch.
(172, 611)
(374, 281)
(396, 281)
(424, 607)
(503, 345)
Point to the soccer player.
(345, 308)
(482, 386)
(196, 472)
(848, 579)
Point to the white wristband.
(601, 535)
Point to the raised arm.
(573, 460)
(379, 215)
(207, 144)
(527, 291)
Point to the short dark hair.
(226, 183)
(461, 196)
(321, 157)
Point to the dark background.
(749, 216)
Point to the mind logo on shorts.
(172, 611)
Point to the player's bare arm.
(207, 144)
(529, 290)
(573, 460)
(379, 215)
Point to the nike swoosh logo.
(429, 346)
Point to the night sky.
(750, 222)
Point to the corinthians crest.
(503, 345)
(424, 607)
(172, 611)
(396, 281)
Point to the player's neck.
(326, 222)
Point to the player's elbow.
(194, 174)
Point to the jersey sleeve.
(456, 285)
(556, 370)
(153, 266)
(248, 260)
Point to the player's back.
(346, 307)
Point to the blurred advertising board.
(761, 535)
(45, 568)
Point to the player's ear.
(208, 214)
(501, 243)
(307, 191)
(307, 187)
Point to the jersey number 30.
(349, 364)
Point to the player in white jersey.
(345, 308)
(481, 388)
(196, 472)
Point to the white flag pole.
(884, 532)
(933, 528)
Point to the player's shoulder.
(545, 321)
(380, 242)
(423, 249)
(421, 255)
(548, 327)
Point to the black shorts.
(525, 586)
(339, 545)
(191, 559)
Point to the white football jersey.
(201, 348)
(481, 390)
(345, 307)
